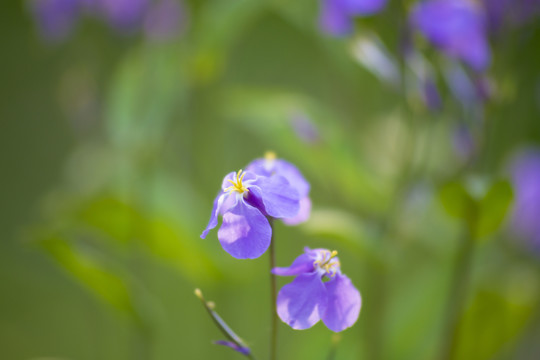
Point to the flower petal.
(302, 264)
(363, 7)
(300, 302)
(280, 200)
(218, 201)
(303, 213)
(245, 232)
(343, 305)
(333, 19)
(293, 176)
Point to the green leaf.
(493, 208)
(492, 322)
(147, 87)
(88, 269)
(456, 200)
(346, 228)
(221, 25)
(120, 223)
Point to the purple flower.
(525, 171)
(245, 201)
(123, 15)
(164, 20)
(431, 95)
(510, 13)
(55, 18)
(270, 166)
(242, 350)
(304, 128)
(336, 16)
(457, 27)
(308, 299)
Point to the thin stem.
(273, 295)
(458, 295)
(222, 325)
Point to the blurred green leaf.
(221, 24)
(346, 228)
(456, 200)
(492, 322)
(90, 271)
(493, 208)
(180, 250)
(166, 241)
(112, 217)
(147, 87)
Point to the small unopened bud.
(198, 293)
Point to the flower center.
(327, 262)
(238, 185)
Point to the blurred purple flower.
(271, 167)
(336, 16)
(245, 232)
(161, 19)
(431, 95)
(123, 15)
(525, 173)
(463, 142)
(510, 13)
(235, 347)
(457, 27)
(308, 299)
(164, 20)
(55, 18)
(304, 128)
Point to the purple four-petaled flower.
(308, 299)
(245, 201)
(271, 166)
(457, 27)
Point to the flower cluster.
(456, 27)
(159, 19)
(308, 299)
(248, 201)
(269, 188)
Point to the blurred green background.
(114, 146)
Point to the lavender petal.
(343, 305)
(302, 264)
(279, 198)
(245, 232)
(300, 303)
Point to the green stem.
(273, 295)
(458, 295)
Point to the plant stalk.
(459, 291)
(273, 295)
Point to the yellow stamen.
(326, 262)
(270, 155)
(238, 185)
